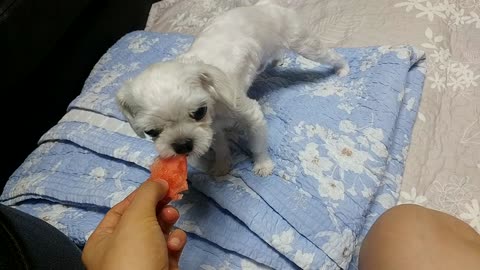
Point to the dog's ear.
(129, 108)
(215, 82)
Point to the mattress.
(339, 145)
(443, 165)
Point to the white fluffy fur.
(217, 71)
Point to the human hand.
(135, 233)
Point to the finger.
(146, 198)
(175, 243)
(167, 216)
(113, 216)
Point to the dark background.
(47, 50)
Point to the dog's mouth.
(191, 146)
(195, 153)
(183, 146)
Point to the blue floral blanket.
(339, 145)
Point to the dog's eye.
(199, 114)
(153, 132)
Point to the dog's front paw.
(343, 71)
(263, 168)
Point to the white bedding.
(443, 166)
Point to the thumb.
(147, 196)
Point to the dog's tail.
(305, 38)
(307, 44)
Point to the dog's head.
(174, 104)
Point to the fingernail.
(171, 211)
(162, 182)
(175, 242)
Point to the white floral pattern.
(412, 197)
(332, 164)
(304, 260)
(459, 76)
(443, 164)
(453, 12)
(452, 84)
(472, 214)
(454, 194)
(283, 241)
(53, 215)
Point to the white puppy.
(186, 104)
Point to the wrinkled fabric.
(339, 146)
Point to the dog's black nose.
(183, 146)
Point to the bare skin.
(416, 238)
(137, 233)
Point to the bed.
(443, 167)
(403, 127)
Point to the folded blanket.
(339, 146)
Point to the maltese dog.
(186, 105)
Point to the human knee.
(404, 213)
(406, 220)
(403, 233)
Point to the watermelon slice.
(174, 171)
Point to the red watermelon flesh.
(174, 171)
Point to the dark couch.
(48, 48)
